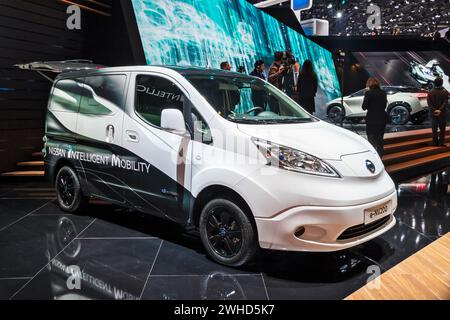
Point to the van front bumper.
(324, 227)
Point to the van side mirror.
(173, 120)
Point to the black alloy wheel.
(228, 233)
(224, 232)
(68, 189)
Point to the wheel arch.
(396, 103)
(54, 169)
(219, 191)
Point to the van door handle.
(110, 133)
(132, 136)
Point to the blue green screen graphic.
(204, 33)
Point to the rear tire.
(417, 120)
(429, 86)
(227, 233)
(68, 190)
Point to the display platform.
(127, 255)
(424, 275)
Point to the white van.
(219, 152)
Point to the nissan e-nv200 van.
(219, 152)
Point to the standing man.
(258, 96)
(259, 69)
(225, 66)
(438, 101)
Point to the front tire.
(227, 233)
(399, 115)
(68, 190)
(336, 113)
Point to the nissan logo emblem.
(370, 166)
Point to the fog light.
(300, 231)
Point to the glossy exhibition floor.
(125, 255)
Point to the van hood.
(319, 139)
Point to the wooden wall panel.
(35, 30)
(29, 31)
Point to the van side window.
(153, 95)
(103, 95)
(66, 95)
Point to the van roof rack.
(58, 67)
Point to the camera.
(288, 59)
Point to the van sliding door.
(99, 128)
(161, 182)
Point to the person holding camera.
(438, 101)
(277, 70)
(290, 77)
(276, 76)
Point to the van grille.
(363, 229)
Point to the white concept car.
(404, 104)
(220, 153)
(425, 74)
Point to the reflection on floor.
(127, 255)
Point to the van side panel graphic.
(105, 167)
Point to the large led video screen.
(411, 68)
(204, 33)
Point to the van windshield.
(248, 100)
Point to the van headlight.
(294, 160)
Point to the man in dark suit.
(258, 96)
(375, 102)
(438, 101)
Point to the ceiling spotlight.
(339, 14)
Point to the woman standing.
(375, 102)
(307, 87)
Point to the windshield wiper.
(268, 121)
(295, 120)
(241, 120)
